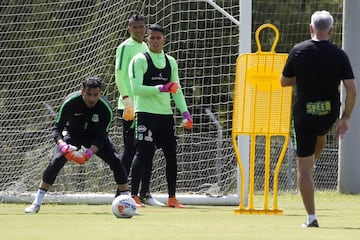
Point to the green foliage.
(293, 19)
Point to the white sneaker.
(33, 208)
(152, 202)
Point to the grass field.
(339, 218)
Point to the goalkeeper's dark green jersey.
(148, 97)
(124, 53)
(82, 122)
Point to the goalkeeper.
(124, 53)
(154, 79)
(85, 116)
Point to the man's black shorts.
(308, 128)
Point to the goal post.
(349, 178)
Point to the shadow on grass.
(339, 228)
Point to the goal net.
(49, 47)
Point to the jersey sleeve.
(61, 118)
(289, 70)
(121, 78)
(347, 71)
(179, 98)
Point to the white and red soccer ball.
(123, 206)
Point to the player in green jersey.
(124, 53)
(154, 80)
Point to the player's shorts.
(308, 127)
(158, 129)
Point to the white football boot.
(149, 200)
(33, 208)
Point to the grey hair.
(322, 20)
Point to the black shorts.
(155, 128)
(308, 127)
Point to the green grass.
(339, 218)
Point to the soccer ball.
(123, 206)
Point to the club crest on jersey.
(95, 118)
(141, 128)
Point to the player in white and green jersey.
(124, 53)
(154, 80)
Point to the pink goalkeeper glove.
(187, 120)
(66, 148)
(170, 87)
(88, 153)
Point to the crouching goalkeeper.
(85, 116)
